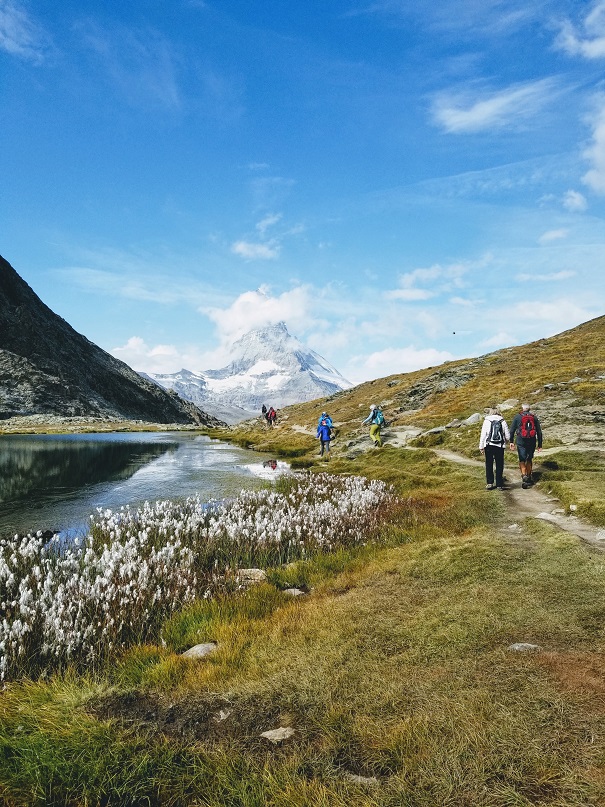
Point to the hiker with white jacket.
(492, 444)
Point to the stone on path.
(524, 647)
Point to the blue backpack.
(379, 419)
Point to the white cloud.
(463, 112)
(20, 35)
(462, 301)
(595, 153)
(255, 309)
(393, 360)
(574, 201)
(251, 252)
(553, 235)
(439, 278)
(587, 39)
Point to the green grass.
(578, 480)
(394, 666)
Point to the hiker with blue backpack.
(494, 437)
(526, 427)
(376, 421)
(327, 418)
(324, 433)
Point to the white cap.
(373, 406)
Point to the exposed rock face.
(46, 367)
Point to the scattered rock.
(510, 403)
(393, 383)
(222, 715)
(524, 647)
(250, 576)
(600, 536)
(573, 507)
(361, 780)
(277, 736)
(453, 424)
(200, 650)
(294, 592)
(476, 417)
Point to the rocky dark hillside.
(47, 368)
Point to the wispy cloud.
(587, 38)
(595, 153)
(256, 251)
(20, 34)
(140, 63)
(268, 221)
(471, 110)
(439, 279)
(575, 202)
(552, 277)
(553, 235)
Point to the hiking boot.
(524, 485)
(489, 487)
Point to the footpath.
(534, 503)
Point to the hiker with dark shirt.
(526, 427)
(494, 437)
(324, 435)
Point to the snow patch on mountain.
(268, 366)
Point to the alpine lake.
(55, 482)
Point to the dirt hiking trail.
(533, 503)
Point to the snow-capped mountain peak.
(268, 366)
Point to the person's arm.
(485, 428)
(506, 430)
(513, 428)
(538, 433)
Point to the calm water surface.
(56, 481)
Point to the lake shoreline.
(57, 424)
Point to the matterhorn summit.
(268, 366)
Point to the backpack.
(496, 433)
(379, 419)
(528, 426)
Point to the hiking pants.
(494, 454)
(375, 433)
(325, 446)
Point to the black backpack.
(496, 433)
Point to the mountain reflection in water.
(56, 481)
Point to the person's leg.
(489, 466)
(375, 433)
(378, 437)
(522, 452)
(499, 460)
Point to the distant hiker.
(526, 427)
(494, 436)
(271, 416)
(327, 418)
(324, 433)
(376, 421)
(264, 411)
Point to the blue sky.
(402, 183)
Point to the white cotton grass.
(116, 586)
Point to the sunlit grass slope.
(437, 395)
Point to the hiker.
(327, 418)
(494, 437)
(526, 427)
(271, 416)
(264, 412)
(376, 420)
(325, 435)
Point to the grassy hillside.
(395, 670)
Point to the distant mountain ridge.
(268, 366)
(46, 367)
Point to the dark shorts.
(526, 450)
